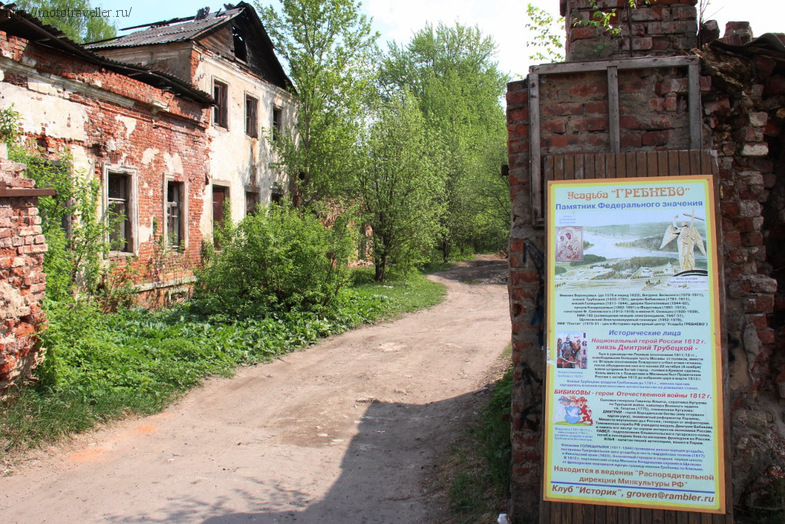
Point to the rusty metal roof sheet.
(168, 31)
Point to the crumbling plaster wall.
(742, 110)
(22, 280)
(106, 120)
(239, 161)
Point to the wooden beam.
(622, 64)
(694, 104)
(535, 159)
(613, 109)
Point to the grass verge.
(102, 367)
(479, 464)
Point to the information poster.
(634, 413)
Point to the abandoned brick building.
(175, 133)
(228, 54)
(660, 99)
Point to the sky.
(504, 20)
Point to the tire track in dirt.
(347, 431)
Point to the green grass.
(481, 464)
(101, 367)
(405, 295)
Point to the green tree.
(452, 73)
(75, 18)
(400, 187)
(330, 49)
(547, 42)
(277, 260)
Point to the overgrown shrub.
(279, 259)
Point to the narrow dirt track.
(347, 431)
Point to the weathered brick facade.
(661, 29)
(742, 96)
(22, 281)
(116, 126)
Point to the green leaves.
(75, 18)
(401, 187)
(100, 367)
(279, 260)
(77, 238)
(451, 72)
(330, 49)
(547, 43)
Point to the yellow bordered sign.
(634, 405)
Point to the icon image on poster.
(569, 244)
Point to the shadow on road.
(375, 483)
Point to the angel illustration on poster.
(688, 237)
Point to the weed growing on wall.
(9, 125)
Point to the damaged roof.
(175, 30)
(194, 28)
(19, 23)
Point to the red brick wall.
(663, 28)
(22, 280)
(743, 120)
(164, 126)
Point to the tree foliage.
(547, 42)
(76, 18)
(400, 187)
(330, 49)
(451, 72)
(76, 236)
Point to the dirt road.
(347, 431)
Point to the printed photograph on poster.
(571, 350)
(665, 254)
(569, 244)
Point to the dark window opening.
(220, 202)
(240, 49)
(221, 108)
(175, 232)
(251, 120)
(277, 123)
(251, 202)
(118, 211)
